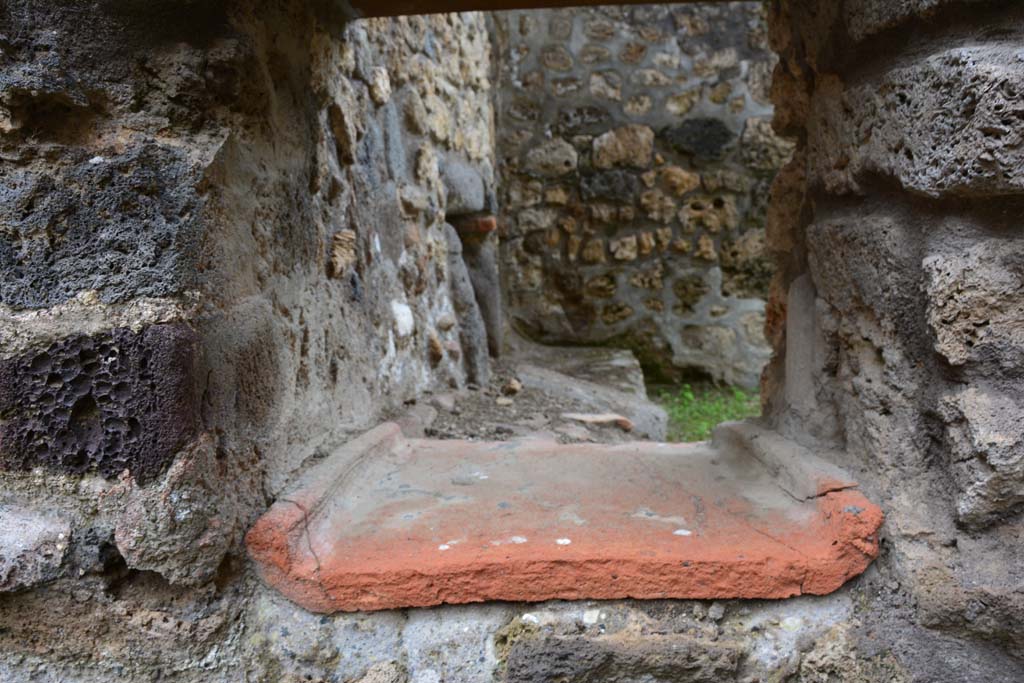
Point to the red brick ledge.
(388, 522)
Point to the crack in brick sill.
(309, 545)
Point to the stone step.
(390, 522)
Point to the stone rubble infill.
(390, 522)
(601, 419)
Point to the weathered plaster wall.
(636, 152)
(222, 249)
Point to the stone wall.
(896, 311)
(223, 249)
(636, 153)
(223, 252)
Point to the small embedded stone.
(445, 402)
(720, 93)
(405, 323)
(446, 322)
(664, 238)
(633, 53)
(706, 249)
(552, 159)
(681, 246)
(606, 85)
(651, 78)
(631, 145)
(594, 54)
(616, 313)
(475, 225)
(343, 252)
(638, 105)
(601, 420)
(625, 248)
(679, 180)
(593, 251)
(512, 387)
(704, 138)
(556, 58)
(601, 287)
(646, 242)
(658, 206)
(380, 85)
(556, 195)
(435, 351)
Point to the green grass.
(694, 410)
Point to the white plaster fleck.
(531, 619)
(651, 516)
(404, 321)
(517, 540)
(682, 532)
(563, 541)
(376, 243)
(97, 160)
(444, 546)
(426, 676)
(591, 616)
(792, 623)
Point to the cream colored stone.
(679, 180)
(556, 195)
(593, 251)
(651, 78)
(706, 249)
(606, 85)
(637, 105)
(646, 242)
(658, 206)
(624, 248)
(631, 145)
(380, 85)
(681, 104)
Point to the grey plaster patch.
(32, 547)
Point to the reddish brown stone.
(388, 522)
(475, 225)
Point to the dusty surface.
(495, 412)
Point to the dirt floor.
(571, 394)
(506, 409)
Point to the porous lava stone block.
(105, 403)
(126, 226)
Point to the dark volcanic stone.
(651, 659)
(126, 226)
(703, 138)
(617, 186)
(578, 119)
(106, 403)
